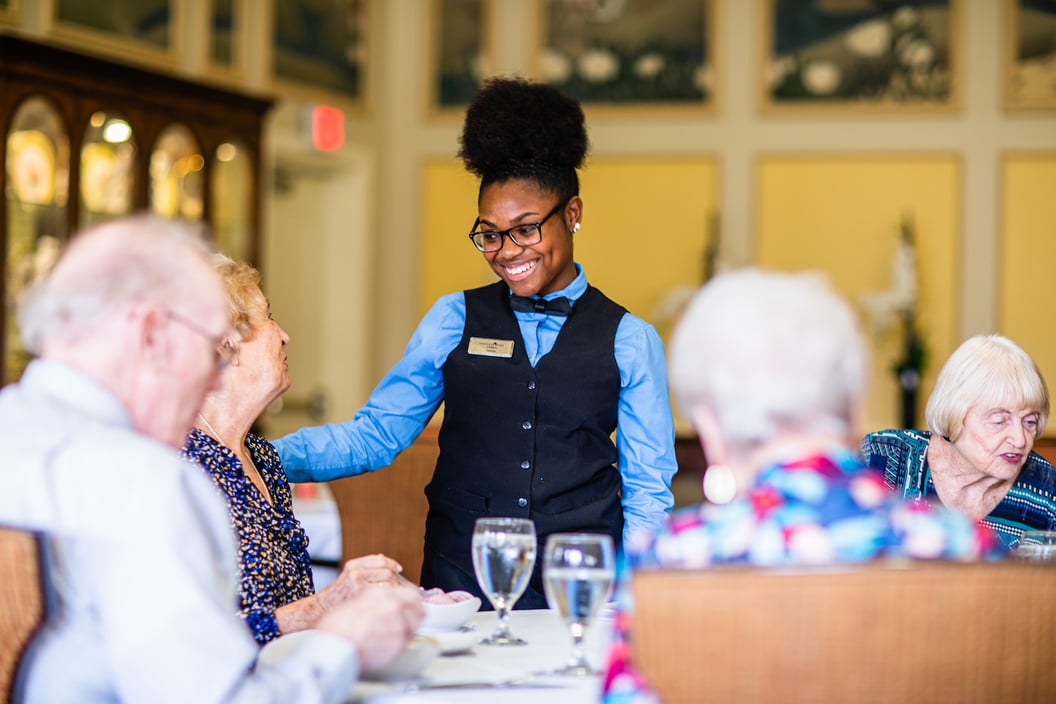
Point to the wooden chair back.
(23, 601)
(384, 511)
(927, 632)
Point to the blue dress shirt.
(409, 395)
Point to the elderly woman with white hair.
(770, 369)
(988, 406)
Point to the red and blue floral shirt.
(819, 510)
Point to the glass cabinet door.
(37, 177)
(87, 140)
(107, 168)
(176, 164)
(231, 200)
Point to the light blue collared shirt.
(413, 390)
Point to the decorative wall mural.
(860, 54)
(629, 52)
(1030, 78)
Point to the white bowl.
(421, 651)
(448, 617)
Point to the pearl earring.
(575, 228)
(720, 484)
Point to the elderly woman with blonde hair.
(989, 405)
(277, 591)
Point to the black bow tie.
(557, 306)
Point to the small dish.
(448, 617)
(280, 648)
(454, 642)
(421, 651)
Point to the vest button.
(527, 425)
(531, 385)
(522, 502)
(526, 464)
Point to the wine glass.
(503, 558)
(578, 574)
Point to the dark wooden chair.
(384, 511)
(1046, 447)
(926, 632)
(24, 601)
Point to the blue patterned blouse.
(275, 568)
(902, 455)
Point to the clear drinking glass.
(1037, 546)
(578, 574)
(503, 558)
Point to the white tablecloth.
(549, 646)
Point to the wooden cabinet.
(86, 140)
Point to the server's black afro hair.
(518, 129)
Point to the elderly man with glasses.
(126, 328)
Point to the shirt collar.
(75, 389)
(574, 290)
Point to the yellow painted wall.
(1028, 250)
(840, 215)
(644, 229)
(449, 261)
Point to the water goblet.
(503, 559)
(578, 574)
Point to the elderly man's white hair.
(135, 259)
(769, 353)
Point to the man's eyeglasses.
(224, 351)
(522, 235)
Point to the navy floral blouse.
(275, 568)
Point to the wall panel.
(1028, 250)
(841, 215)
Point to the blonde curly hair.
(241, 281)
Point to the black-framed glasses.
(522, 235)
(224, 350)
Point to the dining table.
(511, 674)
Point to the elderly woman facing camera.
(770, 369)
(277, 593)
(989, 405)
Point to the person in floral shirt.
(770, 368)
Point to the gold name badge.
(490, 348)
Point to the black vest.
(523, 442)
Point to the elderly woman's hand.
(357, 575)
